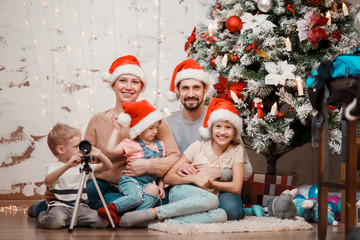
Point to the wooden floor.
(15, 224)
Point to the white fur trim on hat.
(124, 119)
(171, 96)
(192, 73)
(222, 115)
(132, 69)
(144, 123)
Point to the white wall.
(52, 56)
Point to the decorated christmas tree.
(259, 53)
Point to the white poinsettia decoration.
(255, 22)
(279, 73)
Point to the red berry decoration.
(233, 24)
(234, 58)
(314, 3)
(212, 62)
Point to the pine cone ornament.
(314, 3)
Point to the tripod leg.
(102, 200)
(77, 202)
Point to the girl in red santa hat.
(194, 199)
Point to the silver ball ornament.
(265, 5)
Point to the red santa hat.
(186, 70)
(125, 65)
(220, 110)
(138, 116)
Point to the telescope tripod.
(87, 171)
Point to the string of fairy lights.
(13, 210)
(56, 47)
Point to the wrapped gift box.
(260, 188)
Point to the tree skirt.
(248, 224)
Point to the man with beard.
(190, 83)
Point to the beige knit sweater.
(98, 133)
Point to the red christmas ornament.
(233, 24)
(234, 58)
(212, 62)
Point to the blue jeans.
(134, 195)
(230, 202)
(109, 192)
(190, 204)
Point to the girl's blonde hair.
(60, 134)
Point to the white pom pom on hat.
(187, 69)
(125, 65)
(138, 116)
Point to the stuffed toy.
(308, 209)
(282, 207)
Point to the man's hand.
(186, 169)
(211, 172)
(136, 168)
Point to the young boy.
(63, 179)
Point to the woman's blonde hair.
(60, 134)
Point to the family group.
(188, 167)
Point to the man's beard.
(192, 107)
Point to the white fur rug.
(248, 224)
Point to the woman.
(127, 80)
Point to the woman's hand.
(136, 168)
